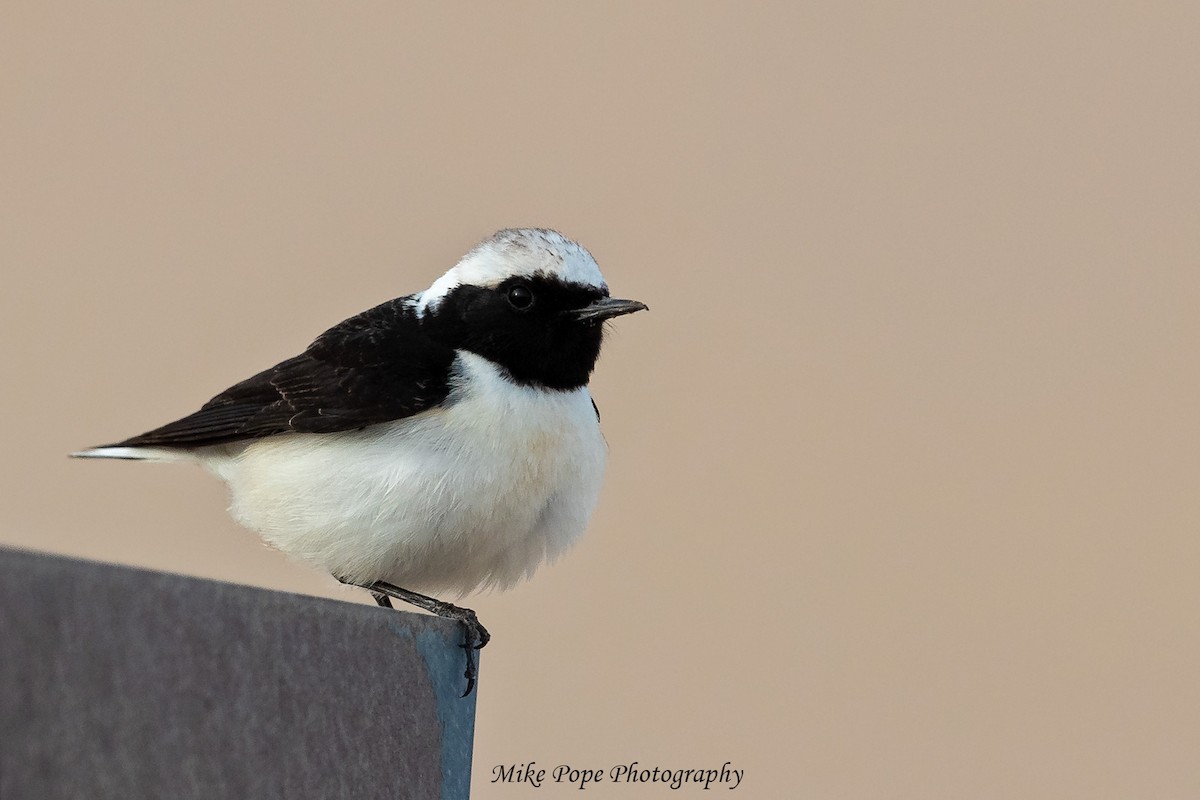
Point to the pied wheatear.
(442, 442)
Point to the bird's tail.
(134, 453)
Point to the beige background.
(902, 499)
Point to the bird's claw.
(477, 637)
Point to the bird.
(443, 442)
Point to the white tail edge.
(132, 453)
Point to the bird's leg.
(476, 635)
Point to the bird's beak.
(606, 308)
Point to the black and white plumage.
(442, 442)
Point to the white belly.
(476, 494)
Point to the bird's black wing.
(374, 367)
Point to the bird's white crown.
(515, 252)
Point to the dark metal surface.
(118, 683)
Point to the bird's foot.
(476, 636)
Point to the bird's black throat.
(541, 345)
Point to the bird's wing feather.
(374, 367)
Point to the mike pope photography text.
(633, 772)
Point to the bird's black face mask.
(542, 331)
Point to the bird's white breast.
(476, 493)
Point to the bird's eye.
(520, 297)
